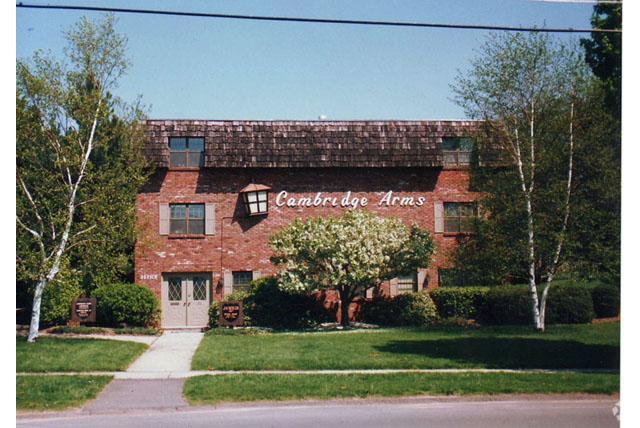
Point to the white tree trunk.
(526, 192)
(34, 326)
(552, 269)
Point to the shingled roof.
(304, 144)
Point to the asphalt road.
(458, 413)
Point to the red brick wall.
(244, 241)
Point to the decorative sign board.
(83, 310)
(348, 200)
(231, 314)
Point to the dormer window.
(186, 152)
(457, 151)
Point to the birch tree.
(528, 91)
(61, 109)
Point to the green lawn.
(53, 354)
(215, 389)
(56, 392)
(563, 346)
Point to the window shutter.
(227, 285)
(422, 274)
(164, 219)
(393, 287)
(438, 216)
(256, 274)
(209, 219)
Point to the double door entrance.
(185, 299)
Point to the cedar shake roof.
(306, 144)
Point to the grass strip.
(54, 354)
(57, 392)
(517, 347)
(203, 390)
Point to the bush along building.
(222, 188)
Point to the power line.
(318, 20)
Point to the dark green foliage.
(130, 304)
(506, 305)
(411, 309)
(604, 52)
(606, 300)
(58, 297)
(458, 302)
(569, 305)
(267, 305)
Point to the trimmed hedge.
(266, 305)
(412, 309)
(458, 302)
(504, 305)
(569, 305)
(129, 304)
(606, 300)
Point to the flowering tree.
(349, 254)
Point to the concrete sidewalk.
(171, 352)
(150, 386)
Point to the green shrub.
(412, 309)
(129, 304)
(266, 305)
(269, 306)
(58, 296)
(566, 304)
(505, 305)
(606, 300)
(569, 304)
(458, 302)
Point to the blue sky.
(220, 69)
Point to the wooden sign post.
(231, 314)
(83, 311)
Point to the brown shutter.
(438, 216)
(209, 219)
(422, 274)
(227, 285)
(164, 219)
(256, 274)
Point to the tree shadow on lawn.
(514, 353)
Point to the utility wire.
(318, 20)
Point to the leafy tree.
(604, 52)
(349, 254)
(78, 162)
(533, 95)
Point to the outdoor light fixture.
(256, 199)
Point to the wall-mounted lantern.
(256, 199)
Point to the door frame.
(187, 287)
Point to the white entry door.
(185, 299)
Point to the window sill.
(187, 236)
(185, 168)
(457, 233)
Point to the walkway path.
(191, 373)
(148, 383)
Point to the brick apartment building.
(221, 188)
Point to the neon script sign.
(348, 200)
